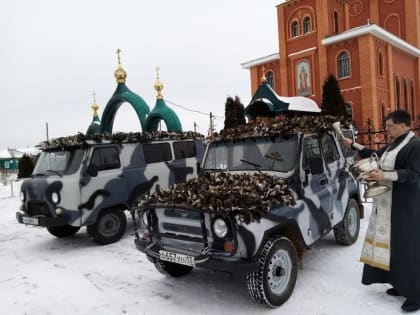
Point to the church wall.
(371, 94)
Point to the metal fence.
(376, 139)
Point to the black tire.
(172, 269)
(347, 231)
(275, 278)
(109, 227)
(63, 231)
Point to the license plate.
(177, 258)
(31, 221)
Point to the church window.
(335, 21)
(270, 78)
(295, 29)
(412, 99)
(381, 64)
(307, 27)
(405, 91)
(343, 65)
(397, 92)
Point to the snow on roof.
(300, 104)
(17, 153)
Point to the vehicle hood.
(249, 195)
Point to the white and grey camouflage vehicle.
(262, 200)
(91, 182)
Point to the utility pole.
(211, 126)
(46, 127)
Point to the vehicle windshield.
(261, 154)
(59, 162)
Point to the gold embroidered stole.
(376, 250)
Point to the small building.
(9, 159)
(267, 103)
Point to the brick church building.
(370, 46)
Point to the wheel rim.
(109, 225)
(352, 221)
(279, 271)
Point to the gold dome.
(120, 74)
(95, 106)
(158, 85)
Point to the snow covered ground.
(40, 274)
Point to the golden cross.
(157, 72)
(118, 53)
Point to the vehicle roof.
(280, 126)
(83, 141)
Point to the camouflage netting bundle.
(281, 125)
(81, 140)
(250, 196)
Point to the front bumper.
(40, 220)
(208, 260)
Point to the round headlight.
(22, 196)
(55, 197)
(220, 228)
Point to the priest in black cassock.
(399, 167)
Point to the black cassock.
(404, 273)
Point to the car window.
(157, 152)
(184, 149)
(329, 149)
(105, 158)
(311, 151)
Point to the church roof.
(161, 111)
(376, 31)
(266, 102)
(95, 126)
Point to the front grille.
(182, 230)
(36, 208)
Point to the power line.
(193, 110)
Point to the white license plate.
(177, 258)
(31, 221)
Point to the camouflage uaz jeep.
(90, 181)
(267, 193)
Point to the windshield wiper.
(257, 166)
(37, 174)
(56, 172)
(276, 156)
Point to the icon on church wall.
(303, 79)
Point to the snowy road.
(41, 274)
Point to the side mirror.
(92, 170)
(316, 165)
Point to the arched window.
(307, 26)
(343, 65)
(270, 78)
(413, 105)
(405, 94)
(397, 92)
(381, 64)
(383, 114)
(335, 21)
(295, 29)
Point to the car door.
(316, 182)
(104, 185)
(335, 164)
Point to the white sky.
(56, 54)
